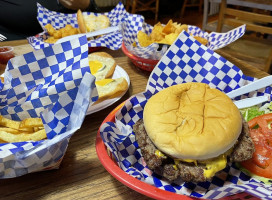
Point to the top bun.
(192, 121)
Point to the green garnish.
(250, 113)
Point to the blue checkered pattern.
(220, 40)
(185, 61)
(58, 20)
(154, 51)
(55, 84)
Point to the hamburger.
(191, 131)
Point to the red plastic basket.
(135, 184)
(93, 49)
(142, 63)
(108, 161)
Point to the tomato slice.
(263, 121)
(261, 134)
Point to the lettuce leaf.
(255, 111)
(251, 112)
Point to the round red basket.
(142, 63)
(135, 184)
(107, 160)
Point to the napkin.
(59, 20)
(185, 61)
(155, 51)
(55, 84)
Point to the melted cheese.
(215, 165)
(95, 66)
(159, 154)
(185, 160)
(212, 166)
(103, 82)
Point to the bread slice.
(102, 65)
(89, 23)
(81, 23)
(111, 88)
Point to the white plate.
(119, 72)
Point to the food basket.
(110, 164)
(58, 20)
(54, 84)
(108, 161)
(145, 57)
(142, 63)
(185, 61)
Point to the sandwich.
(111, 88)
(191, 131)
(89, 23)
(102, 65)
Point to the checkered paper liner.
(55, 84)
(185, 61)
(156, 51)
(59, 20)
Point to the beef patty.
(165, 166)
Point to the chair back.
(256, 22)
(143, 5)
(238, 17)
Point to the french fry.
(13, 124)
(2, 141)
(38, 128)
(10, 130)
(9, 137)
(31, 122)
(30, 129)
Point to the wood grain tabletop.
(81, 175)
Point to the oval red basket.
(111, 166)
(142, 63)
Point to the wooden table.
(81, 175)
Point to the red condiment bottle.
(6, 53)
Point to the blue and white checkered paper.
(55, 84)
(185, 61)
(59, 20)
(155, 51)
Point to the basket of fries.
(57, 25)
(44, 99)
